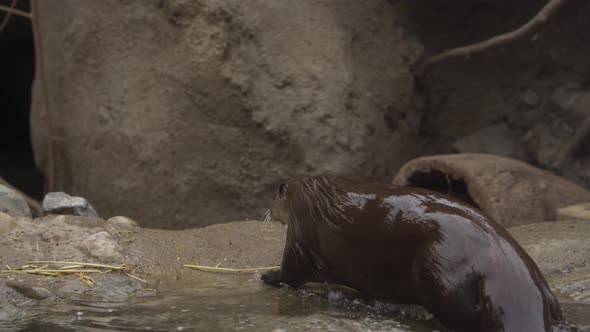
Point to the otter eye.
(282, 190)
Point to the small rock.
(70, 287)
(103, 247)
(62, 203)
(13, 204)
(574, 212)
(7, 223)
(115, 288)
(7, 310)
(122, 224)
(30, 291)
(530, 98)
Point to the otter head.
(279, 209)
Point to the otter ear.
(282, 190)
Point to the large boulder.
(185, 113)
(510, 191)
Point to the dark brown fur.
(413, 246)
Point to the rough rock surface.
(62, 203)
(12, 203)
(55, 237)
(184, 113)
(510, 191)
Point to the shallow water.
(227, 303)
(217, 302)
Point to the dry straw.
(79, 269)
(226, 269)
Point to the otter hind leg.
(511, 304)
(458, 306)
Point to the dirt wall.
(196, 109)
(524, 99)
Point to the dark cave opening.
(17, 67)
(443, 183)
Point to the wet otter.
(413, 246)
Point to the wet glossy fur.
(413, 246)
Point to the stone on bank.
(62, 203)
(103, 247)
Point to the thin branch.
(226, 269)
(7, 16)
(13, 11)
(42, 80)
(541, 17)
(33, 203)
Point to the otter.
(412, 246)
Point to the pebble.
(62, 203)
(30, 291)
(120, 224)
(103, 247)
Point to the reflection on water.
(577, 313)
(221, 303)
(226, 303)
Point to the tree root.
(422, 66)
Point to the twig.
(8, 15)
(106, 266)
(11, 10)
(89, 281)
(136, 278)
(50, 271)
(226, 269)
(541, 17)
(45, 114)
(79, 269)
(34, 204)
